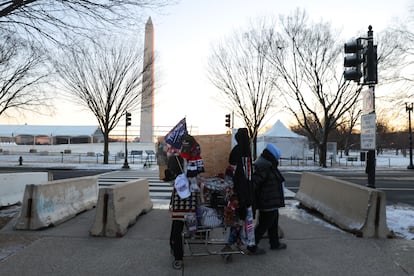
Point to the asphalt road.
(57, 173)
(398, 185)
(62, 174)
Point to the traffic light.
(370, 64)
(228, 120)
(353, 59)
(127, 119)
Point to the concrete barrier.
(119, 207)
(12, 185)
(354, 208)
(54, 202)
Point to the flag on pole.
(173, 138)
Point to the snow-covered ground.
(400, 218)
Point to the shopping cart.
(205, 232)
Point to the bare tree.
(392, 56)
(107, 80)
(239, 69)
(306, 58)
(57, 20)
(383, 129)
(346, 127)
(395, 66)
(23, 76)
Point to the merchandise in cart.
(205, 232)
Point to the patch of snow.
(400, 219)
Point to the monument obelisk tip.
(147, 96)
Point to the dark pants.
(176, 239)
(268, 221)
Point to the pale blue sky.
(183, 36)
(183, 39)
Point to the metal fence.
(382, 161)
(73, 158)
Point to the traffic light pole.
(127, 118)
(357, 54)
(409, 109)
(126, 165)
(370, 76)
(370, 169)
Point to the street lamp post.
(409, 109)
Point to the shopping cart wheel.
(177, 264)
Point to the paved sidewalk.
(313, 249)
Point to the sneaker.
(279, 246)
(257, 251)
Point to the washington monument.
(147, 101)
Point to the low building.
(50, 135)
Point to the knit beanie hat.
(273, 150)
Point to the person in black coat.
(268, 182)
(240, 159)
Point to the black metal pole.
(409, 109)
(126, 166)
(371, 153)
(371, 168)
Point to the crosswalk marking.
(159, 190)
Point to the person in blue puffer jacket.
(269, 185)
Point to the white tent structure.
(291, 145)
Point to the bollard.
(20, 161)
